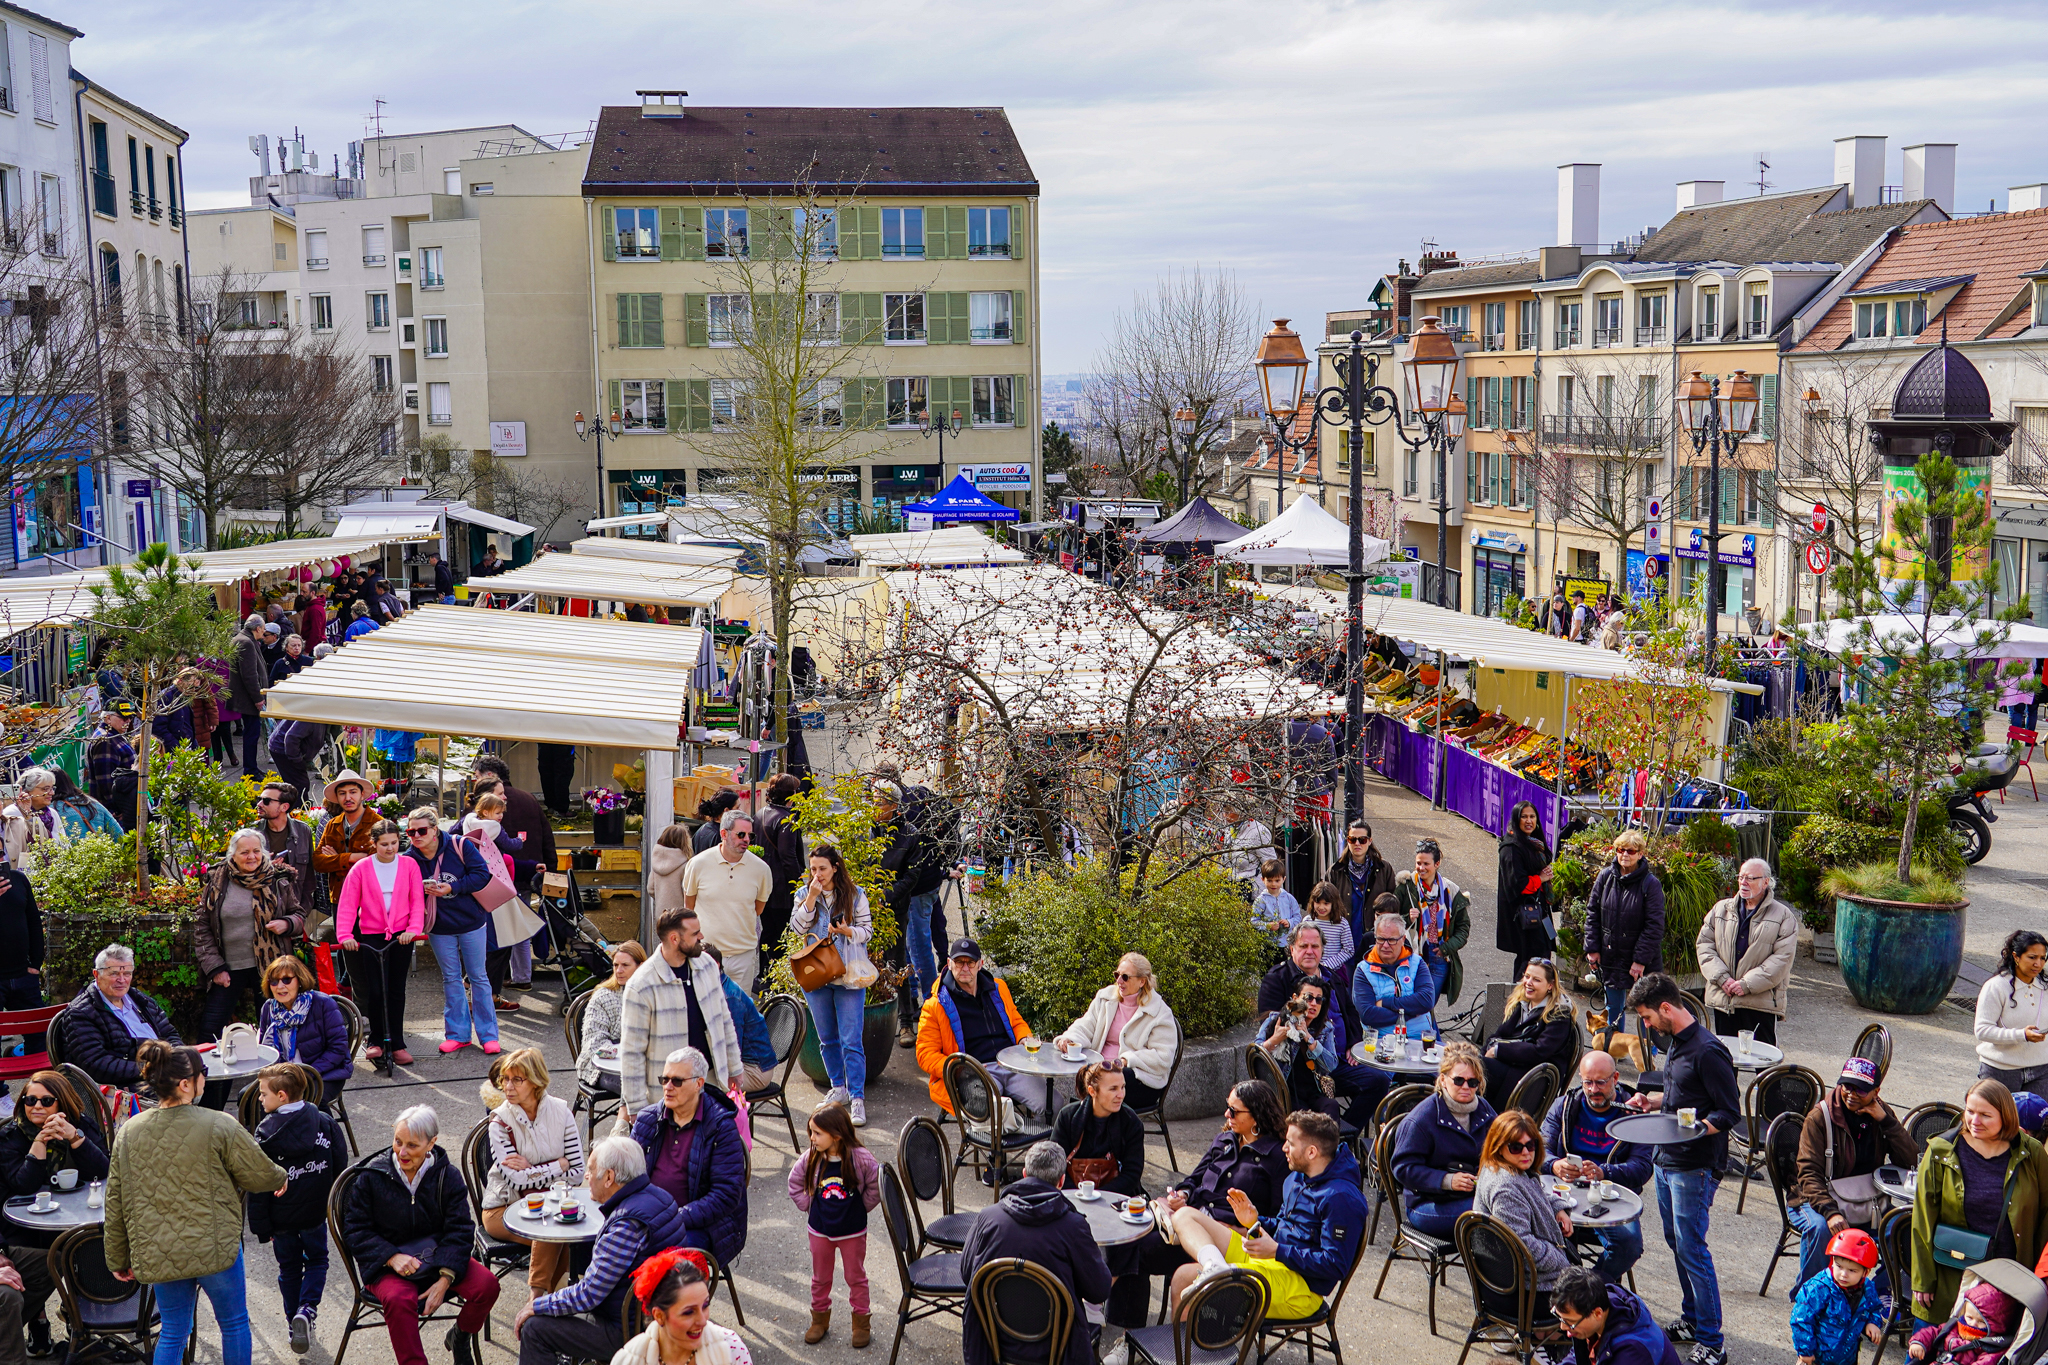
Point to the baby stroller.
(2019, 1284)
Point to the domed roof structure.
(1943, 386)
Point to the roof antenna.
(1761, 166)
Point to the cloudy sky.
(1304, 146)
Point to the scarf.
(1433, 909)
(283, 1033)
(262, 886)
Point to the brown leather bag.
(1100, 1169)
(817, 966)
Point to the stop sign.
(1820, 518)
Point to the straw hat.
(342, 779)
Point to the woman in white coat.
(1745, 949)
(1131, 1026)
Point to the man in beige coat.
(1745, 948)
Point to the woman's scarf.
(282, 1032)
(265, 905)
(1432, 908)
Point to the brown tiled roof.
(1998, 249)
(877, 151)
(1775, 227)
(1261, 457)
(1480, 276)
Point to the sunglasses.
(1122, 976)
(1361, 839)
(1464, 1082)
(1235, 1110)
(272, 801)
(667, 1081)
(39, 1101)
(1524, 1145)
(418, 833)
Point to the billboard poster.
(1895, 562)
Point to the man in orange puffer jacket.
(970, 1011)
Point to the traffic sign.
(1656, 509)
(1820, 519)
(1818, 556)
(1653, 533)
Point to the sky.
(1304, 147)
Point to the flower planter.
(608, 827)
(877, 1039)
(1896, 956)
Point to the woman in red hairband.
(675, 1294)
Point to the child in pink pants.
(836, 1184)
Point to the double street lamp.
(1711, 432)
(1431, 370)
(599, 429)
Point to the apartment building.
(257, 249)
(927, 253)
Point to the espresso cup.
(44, 1199)
(1087, 1189)
(535, 1203)
(1136, 1208)
(67, 1179)
(572, 1209)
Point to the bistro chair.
(1534, 1092)
(977, 1112)
(587, 1096)
(931, 1283)
(1931, 1120)
(1319, 1327)
(1218, 1324)
(1895, 1247)
(500, 1258)
(1260, 1066)
(1435, 1255)
(1393, 1107)
(1154, 1118)
(789, 1022)
(926, 1167)
(365, 1310)
(105, 1318)
(722, 1271)
(1025, 1313)
(352, 1016)
(28, 1023)
(1875, 1044)
(1783, 1089)
(89, 1096)
(1503, 1288)
(1781, 1150)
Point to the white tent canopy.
(603, 578)
(419, 517)
(941, 548)
(1303, 534)
(554, 637)
(1951, 635)
(232, 566)
(655, 551)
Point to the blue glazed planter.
(1899, 957)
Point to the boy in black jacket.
(310, 1146)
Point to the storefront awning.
(603, 578)
(656, 551)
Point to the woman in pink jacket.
(381, 914)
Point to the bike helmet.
(1854, 1244)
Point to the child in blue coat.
(1832, 1313)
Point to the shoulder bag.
(818, 965)
(1100, 1169)
(1858, 1196)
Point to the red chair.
(27, 1023)
(2015, 735)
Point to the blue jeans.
(301, 1268)
(836, 1013)
(917, 937)
(1619, 1018)
(1438, 1217)
(1620, 1248)
(178, 1303)
(1684, 1200)
(462, 955)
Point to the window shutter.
(956, 233)
(697, 407)
(650, 321)
(938, 396)
(1767, 404)
(624, 306)
(691, 224)
(1017, 232)
(857, 398)
(672, 233)
(611, 236)
(781, 234)
(1767, 498)
(618, 404)
(1682, 504)
(869, 330)
(696, 320)
(1728, 478)
(1017, 297)
(938, 321)
(958, 332)
(1020, 400)
(860, 233)
(1471, 479)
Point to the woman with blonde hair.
(601, 1018)
(1131, 1026)
(1436, 1156)
(1538, 1028)
(1510, 1190)
(534, 1143)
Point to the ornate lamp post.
(1356, 399)
(1711, 432)
(1431, 370)
(599, 429)
(1184, 424)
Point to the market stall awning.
(419, 518)
(1197, 526)
(1950, 635)
(556, 637)
(1305, 535)
(619, 523)
(655, 551)
(232, 566)
(937, 549)
(962, 501)
(603, 578)
(383, 681)
(28, 603)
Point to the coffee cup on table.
(1086, 1189)
(536, 1203)
(572, 1209)
(67, 1179)
(44, 1201)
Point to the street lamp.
(1431, 371)
(599, 429)
(1283, 368)
(1184, 424)
(1710, 432)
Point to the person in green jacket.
(174, 1203)
(1439, 914)
(1987, 1146)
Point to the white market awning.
(1950, 635)
(1304, 534)
(941, 548)
(28, 603)
(557, 637)
(656, 551)
(232, 566)
(619, 523)
(603, 578)
(419, 519)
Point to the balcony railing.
(1495, 341)
(104, 201)
(316, 263)
(1707, 329)
(1758, 327)
(1525, 341)
(1649, 336)
(156, 209)
(1594, 431)
(376, 259)
(440, 419)
(1607, 336)
(999, 332)
(1567, 337)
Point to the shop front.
(56, 517)
(1008, 484)
(1500, 562)
(644, 492)
(1735, 592)
(842, 505)
(895, 484)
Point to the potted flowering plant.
(607, 815)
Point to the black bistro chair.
(977, 1114)
(1895, 1246)
(365, 1310)
(1218, 1325)
(1781, 1159)
(587, 1096)
(1534, 1092)
(1154, 1118)
(106, 1318)
(352, 1018)
(1782, 1089)
(1393, 1107)
(500, 1258)
(1436, 1255)
(1503, 1287)
(1320, 1327)
(926, 1167)
(1021, 1305)
(789, 1020)
(1931, 1120)
(1875, 1044)
(930, 1283)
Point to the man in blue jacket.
(1310, 1245)
(1576, 1129)
(1608, 1325)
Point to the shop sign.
(1500, 540)
(508, 440)
(909, 473)
(851, 476)
(917, 521)
(998, 475)
(139, 488)
(1744, 557)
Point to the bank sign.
(998, 475)
(1744, 558)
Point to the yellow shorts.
(1291, 1295)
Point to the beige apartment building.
(926, 260)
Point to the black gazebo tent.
(1197, 528)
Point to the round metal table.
(219, 1069)
(1755, 1057)
(69, 1211)
(549, 1229)
(1654, 1129)
(607, 1059)
(1046, 1062)
(1423, 1068)
(1106, 1219)
(1899, 1183)
(1625, 1207)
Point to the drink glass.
(1428, 1039)
(1745, 1037)
(1688, 1118)
(1032, 1044)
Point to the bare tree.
(335, 430)
(534, 496)
(1824, 450)
(49, 370)
(1187, 344)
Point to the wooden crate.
(618, 860)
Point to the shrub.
(86, 890)
(1880, 881)
(1058, 940)
(1825, 842)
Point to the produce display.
(1532, 753)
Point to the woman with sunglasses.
(1363, 876)
(1625, 924)
(1439, 914)
(1130, 1025)
(1510, 1190)
(1537, 1028)
(1436, 1156)
(50, 1132)
(1245, 1156)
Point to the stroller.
(2018, 1283)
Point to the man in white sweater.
(674, 1000)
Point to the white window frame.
(428, 269)
(440, 404)
(728, 402)
(456, 187)
(1455, 317)
(50, 206)
(649, 394)
(897, 308)
(1752, 325)
(985, 219)
(915, 392)
(903, 219)
(377, 311)
(1707, 314)
(825, 246)
(995, 325)
(375, 249)
(824, 405)
(629, 244)
(985, 391)
(718, 243)
(1873, 319)
(434, 329)
(322, 310)
(383, 373)
(1528, 325)
(821, 319)
(316, 249)
(1913, 311)
(728, 319)
(1493, 325)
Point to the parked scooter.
(1987, 768)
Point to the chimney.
(1931, 173)
(1578, 204)
(661, 103)
(1859, 164)
(1693, 193)
(2021, 198)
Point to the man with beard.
(675, 1000)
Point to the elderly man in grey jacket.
(248, 677)
(1745, 948)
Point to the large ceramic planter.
(1896, 956)
(877, 1039)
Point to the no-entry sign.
(1818, 557)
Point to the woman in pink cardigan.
(381, 914)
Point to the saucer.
(1135, 1219)
(1087, 1196)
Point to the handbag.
(1959, 1248)
(1858, 1196)
(1100, 1169)
(817, 966)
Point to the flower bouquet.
(603, 800)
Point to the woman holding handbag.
(1978, 1198)
(833, 914)
(1104, 1142)
(1522, 895)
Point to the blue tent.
(962, 501)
